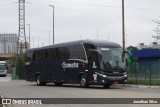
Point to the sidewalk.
(139, 86)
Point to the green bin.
(13, 70)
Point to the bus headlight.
(104, 76)
(125, 75)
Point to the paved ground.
(5, 79)
(24, 89)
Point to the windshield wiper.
(107, 65)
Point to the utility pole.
(126, 39)
(29, 36)
(49, 37)
(53, 22)
(123, 26)
(21, 45)
(33, 41)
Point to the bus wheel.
(83, 82)
(39, 82)
(106, 85)
(58, 84)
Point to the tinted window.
(68, 52)
(87, 47)
(35, 55)
(64, 53)
(57, 53)
(47, 53)
(28, 55)
(53, 54)
(77, 52)
(38, 55)
(42, 54)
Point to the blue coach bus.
(87, 62)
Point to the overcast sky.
(82, 19)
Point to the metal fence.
(145, 72)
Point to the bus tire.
(83, 82)
(39, 82)
(106, 85)
(58, 84)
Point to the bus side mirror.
(126, 55)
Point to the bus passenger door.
(93, 61)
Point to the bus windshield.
(112, 58)
(2, 67)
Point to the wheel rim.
(38, 81)
(83, 82)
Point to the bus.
(86, 62)
(3, 68)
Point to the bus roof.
(101, 43)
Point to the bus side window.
(53, 54)
(35, 55)
(49, 54)
(77, 52)
(67, 53)
(42, 55)
(28, 56)
(64, 53)
(61, 51)
(57, 53)
(46, 54)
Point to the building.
(148, 60)
(152, 45)
(8, 43)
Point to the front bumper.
(110, 80)
(3, 73)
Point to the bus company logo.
(70, 65)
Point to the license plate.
(115, 82)
(115, 71)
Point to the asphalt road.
(24, 89)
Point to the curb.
(138, 86)
(2, 96)
(120, 85)
(16, 80)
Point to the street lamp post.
(38, 41)
(33, 42)
(29, 35)
(49, 37)
(123, 26)
(53, 22)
